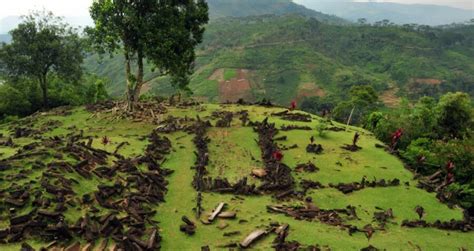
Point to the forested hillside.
(244, 8)
(291, 57)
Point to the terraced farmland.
(87, 178)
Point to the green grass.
(231, 150)
(230, 155)
(229, 74)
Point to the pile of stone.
(383, 217)
(353, 147)
(310, 213)
(201, 142)
(173, 124)
(244, 117)
(295, 127)
(224, 118)
(309, 184)
(293, 116)
(356, 186)
(188, 227)
(127, 203)
(307, 167)
(278, 175)
(314, 148)
(455, 225)
(222, 185)
(101, 106)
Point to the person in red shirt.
(396, 136)
(449, 178)
(450, 175)
(278, 156)
(450, 167)
(293, 105)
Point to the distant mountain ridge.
(243, 8)
(424, 14)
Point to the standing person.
(396, 136)
(293, 105)
(277, 155)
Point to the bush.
(454, 115)
(418, 148)
(13, 102)
(322, 127)
(316, 105)
(462, 194)
(461, 153)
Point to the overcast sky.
(465, 4)
(80, 7)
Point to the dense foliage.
(42, 46)
(42, 68)
(24, 96)
(434, 134)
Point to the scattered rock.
(252, 237)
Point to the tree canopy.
(163, 32)
(42, 44)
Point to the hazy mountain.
(397, 13)
(5, 38)
(242, 8)
(10, 22)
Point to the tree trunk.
(130, 80)
(44, 89)
(134, 83)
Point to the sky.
(464, 4)
(58, 7)
(80, 7)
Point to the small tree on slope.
(42, 45)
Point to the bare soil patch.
(309, 90)
(234, 89)
(427, 81)
(390, 98)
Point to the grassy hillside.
(42, 155)
(292, 57)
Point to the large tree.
(42, 45)
(164, 32)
